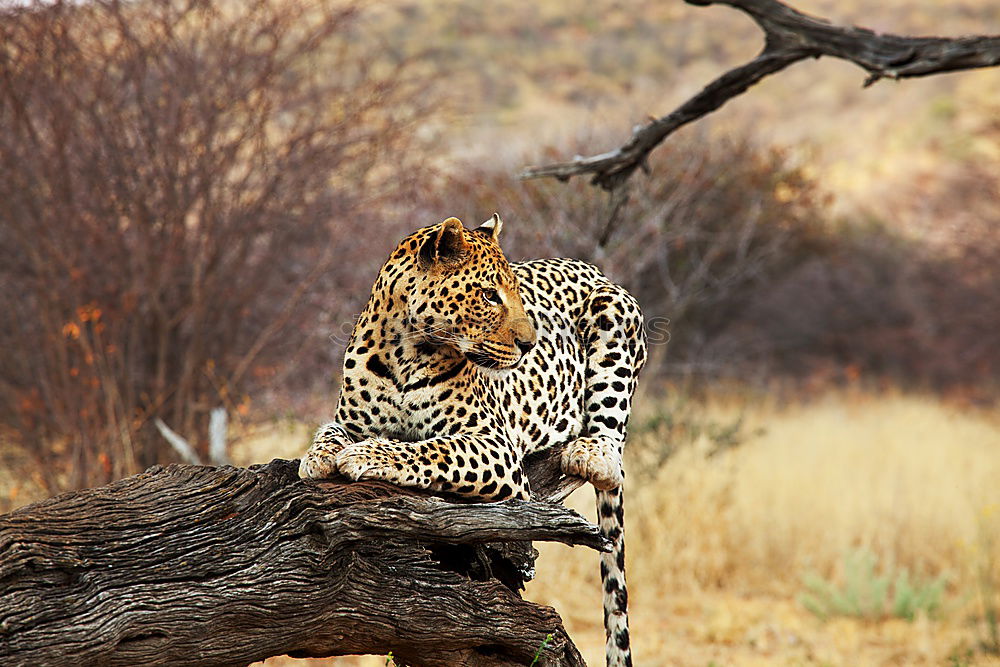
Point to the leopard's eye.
(492, 296)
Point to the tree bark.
(225, 566)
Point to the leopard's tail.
(611, 520)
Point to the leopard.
(462, 363)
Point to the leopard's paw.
(321, 459)
(317, 465)
(368, 459)
(597, 460)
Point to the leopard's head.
(465, 295)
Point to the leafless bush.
(179, 176)
(837, 314)
(956, 298)
(914, 300)
(733, 244)
(715, 220)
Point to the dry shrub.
(732, 244)
(715, 221)
(179, 179)
(954, 296)
(906, 477)
(915, 301)
(836, 314)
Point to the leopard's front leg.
(474, 466)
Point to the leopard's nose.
(525, 345)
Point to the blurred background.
(196, 197)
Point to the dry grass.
(907, 477)
(718, 546)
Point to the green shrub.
(867, 594)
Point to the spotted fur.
(462, 363)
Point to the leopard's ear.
(446, 245)
(491, 227)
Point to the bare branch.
(790, 36)
(180, 445)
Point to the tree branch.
(789, 36)
(226, 566)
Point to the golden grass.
(907, 477)
(717, 547)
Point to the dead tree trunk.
(224, 566)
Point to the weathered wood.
(789, 36)
(224, 566)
